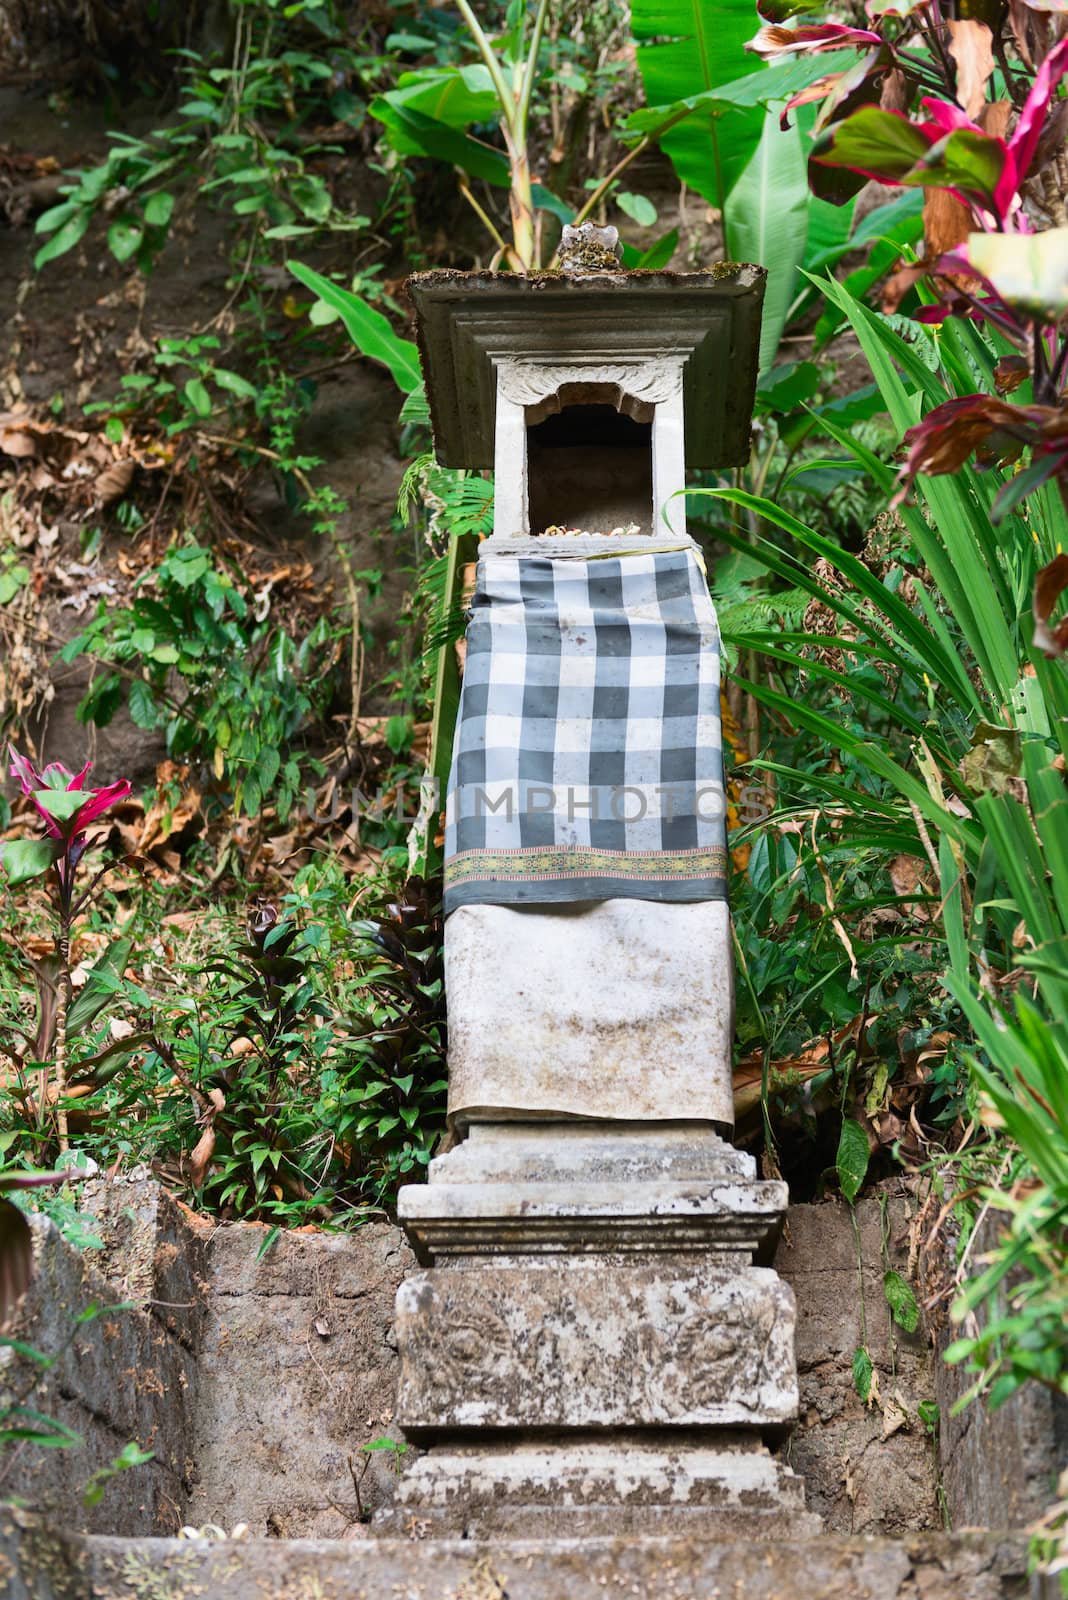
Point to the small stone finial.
(589, 248)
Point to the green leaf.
(928, 1413)
(270, 1239)
(101, 986)
(51, 219)
(312, 196)
(61, 804)
(143, 711)
(455, 96)
(958, 1351)
(874, 142)
(686, 48)
(21, 1422)
(766, 218)
(829, 228)
(267, 768)
(787, 387)
(12, 580)
(411, 132)
(196, 393)
(64, 239)
(368, 329)
(158, 209)
(251, 797)
(398, 733)
(712, 131)
(659, 254)
(124, 238)
(130, 1455)
(966, 160)
(233, 382)
(413, 42)
(637, 207)
(851, 1162)
(863, 1373)
(901, 1300)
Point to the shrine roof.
(469, 324)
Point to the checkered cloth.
(587, 763)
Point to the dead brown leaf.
(17, 437)
(971, 44)
(200, 1159)
(905, 874)
(114, 481)
(946, 224)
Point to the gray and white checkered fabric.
(587, 763)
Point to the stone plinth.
(592, 1187)
(591, 1334)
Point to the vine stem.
(64, 996)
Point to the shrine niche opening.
(590, 460)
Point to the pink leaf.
(945, 118)
(100, 801)
(24, 770)
(1028, 131)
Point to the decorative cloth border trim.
(533, 864)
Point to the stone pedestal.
(590, 1335)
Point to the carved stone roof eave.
(470, 324)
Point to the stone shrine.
(590, 1337)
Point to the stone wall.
(256, 1377)
(119, 1376)
(999, 1467)
(297, 1371)
(867, 1468)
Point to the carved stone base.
(576, 1344)
(591, 1351)
(594, 1487)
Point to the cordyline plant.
(67, 810)
(968, 108)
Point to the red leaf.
(1050, 584)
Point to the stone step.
(39, 1563)
(600, 1487)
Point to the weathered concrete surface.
(154, 1250)
(998, 1467)
(922, 1567)
(721, 1486)
(856, 1477)
(585, 1345)
(620, 1009)
(297, 1372)
(119, 1377)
